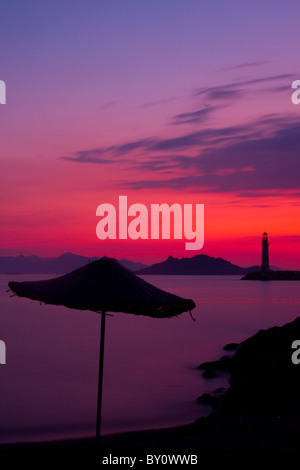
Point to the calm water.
(49, 384)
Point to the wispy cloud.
(256, 164)
(237, 89)
(106, 155)
(87, 156)
(199, 116)
(249, 158)
(247, 65)
(151, 104)
(109, 104)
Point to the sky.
(162, 101)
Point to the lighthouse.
(265, 266)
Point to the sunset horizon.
(244, 252)
(165, 135)
(220, 130)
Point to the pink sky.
(160, 102)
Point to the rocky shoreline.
(264, 382)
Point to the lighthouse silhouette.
(265, 265)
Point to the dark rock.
(263, 377)
(208, 399)
(220, 391)
(209, 374)
(224, 358)
(261, 408)
(197, 265)
(231, 346)
(214, 400)
(222, 364)
(205, 399)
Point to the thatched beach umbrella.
(104, 286)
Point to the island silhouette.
(197, 265)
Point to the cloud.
(150, 104)
(204, 137)
(186, 142)
(109, 104)
(263, 155)
(235, 90)
(193, 117)
(259, 157)
(130, 146)
(227, 93)
(219, 93)
(164, 162)
(107, 155)
(257, 164)
(87, 156)
(251, 194)
(247, 65)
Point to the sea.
(48, 386)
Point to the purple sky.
(181, 100)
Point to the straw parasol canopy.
(104, 286)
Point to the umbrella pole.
(100, 380)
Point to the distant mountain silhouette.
(61, 265)
(132, 265)
(199, 264)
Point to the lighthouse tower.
(265, 266)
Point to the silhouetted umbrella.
(104, 286)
